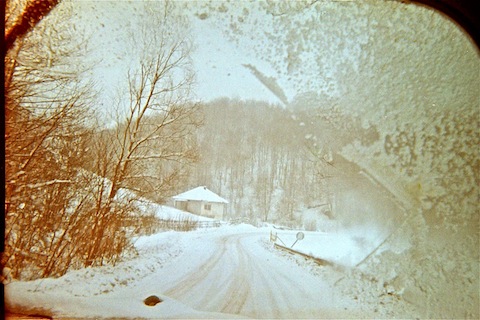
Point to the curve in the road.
(241, 277)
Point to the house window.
(208, 207)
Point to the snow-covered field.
(341, 246)
(226, 272)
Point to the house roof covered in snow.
(200, 194)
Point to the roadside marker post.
(300, 236)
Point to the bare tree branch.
(31, 15)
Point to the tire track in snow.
(218, 284)
(278, 289)
(238, 289)
(265, 305)
(197, 276)
(240, 279)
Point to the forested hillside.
(254, 155)
(272, 163)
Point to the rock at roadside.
(152, 301)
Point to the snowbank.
(346, 247)
(107, 291)
(61, 305)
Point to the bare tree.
(27, 19)
(46, 112)
(152, 141)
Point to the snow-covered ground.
(147, 207)
(231, 271)
(168, 213)
(345, 247)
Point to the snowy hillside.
(146, 207)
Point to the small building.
(201, 201)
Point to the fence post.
(273, 236)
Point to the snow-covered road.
(203, 274)
(242, 277)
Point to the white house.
(201, 201)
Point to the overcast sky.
(218, 62)
(364, 54)
(220, 71)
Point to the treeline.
(254, 154)
(269, 162)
